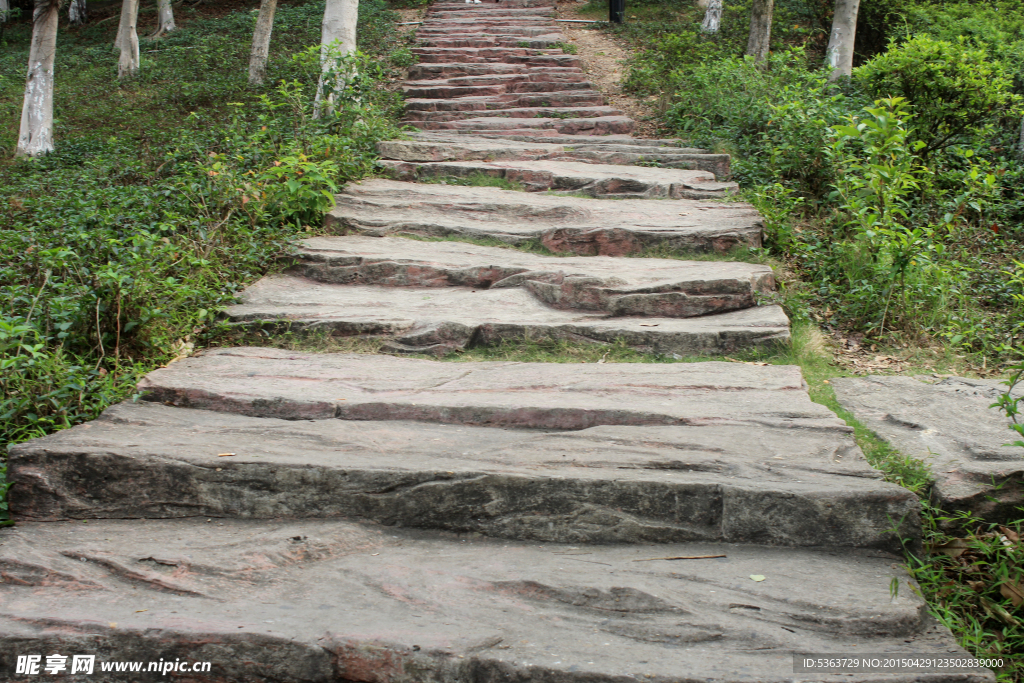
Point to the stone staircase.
(298, 517)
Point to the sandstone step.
(950, 425)
(623, 452)
(454, 69)
(564, 76)
(495, 56)
(562, 224)
(326, 601)
(635, 287)
(545, 41)
(444, 90)
(596, 180)
(442, 320)
(597, 126)
(726, 474)
(416, 116)
(457, 148)
(507, 101)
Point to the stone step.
(415, 116)
(566, 76)
(325, 601)
(605, 125)
(562, 224)
(443, 90)
(439, 321)
(493, 55)
(590, 140)
(947, 422)
(456, 148)
(497, 27)
(508, 101)
(424, 72)
(490, 40)
(595, 180)
(635, 287)
(626, 452)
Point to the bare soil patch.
(602, 58)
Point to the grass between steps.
(968, 574)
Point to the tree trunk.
(712, 17)
(36, 134)
(760, 29)
(165, 18)
(261, 42)
(76, 12)
(337, 38)
(4, 9)
(128, 40)
(839, 55)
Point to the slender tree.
(5, 8)
(261, 42)
(77, 12)
(839, 55)
(712, 17)
(165, 18)
(36, 134)
(760, 29)
(128, 40)
(337, 39)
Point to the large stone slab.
(658, 287)
(441, 320)
(600, 125)
(802, 483)
(562, 224)
(947, 423)
(456, 149)
(320, 602)
(265, 382)
(596, 180)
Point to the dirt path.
(603, 60)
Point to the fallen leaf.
(1012, 591)
(649, 324)
(141, 610)
(954, 548)
(224, 455)
(756, 577)
(1010, 534)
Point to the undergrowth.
(165, 196)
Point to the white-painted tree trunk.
(4, 9)
(261, 42)
(36, 134)
(839, 55)
(76, 12)
(165, 18)
(337, 38)
(760, 29)
(712, 17)
(128, 40)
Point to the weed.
(478, 179)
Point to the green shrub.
(954, 89)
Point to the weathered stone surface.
(456, 149)
(947, 423)
(320, 602)
(801, 483)
(562, 224)
(658, 287)
(266, 382)
(596, 180)
(439, 321)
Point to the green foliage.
(777, 119)
(954, 89)
(1010, 405)
(120, 246)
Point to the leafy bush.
(954, 89)
(120, 246)
(776, 119)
